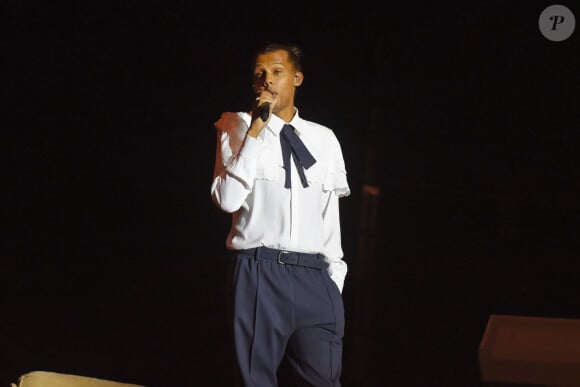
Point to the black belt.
(288, 257)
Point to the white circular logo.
(557, 23)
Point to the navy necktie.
(303, 159)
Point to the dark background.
(463, 120)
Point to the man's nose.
(267, 79)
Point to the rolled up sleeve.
(235, 164)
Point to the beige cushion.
(531, 350)
(53, 379)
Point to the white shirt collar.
(276, 123)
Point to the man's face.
(275, 74)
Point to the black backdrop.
(113, 261)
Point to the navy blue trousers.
(285, 311)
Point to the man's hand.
(257, 124)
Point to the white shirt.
(249, 183)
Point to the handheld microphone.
(264, 111)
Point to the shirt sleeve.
(336, 175)
(335, 187)
(235, 163)
(333, 253)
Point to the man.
(281, 177)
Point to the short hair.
(294, 53)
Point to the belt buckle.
(280, 254)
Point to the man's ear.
(298, 78)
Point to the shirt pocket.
(316, 174)
(269, 167)
(269, 172)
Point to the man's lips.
(272, 93)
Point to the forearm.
(234, 176)
(231, 185)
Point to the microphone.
(264, 111)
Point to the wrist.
(254, 132)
